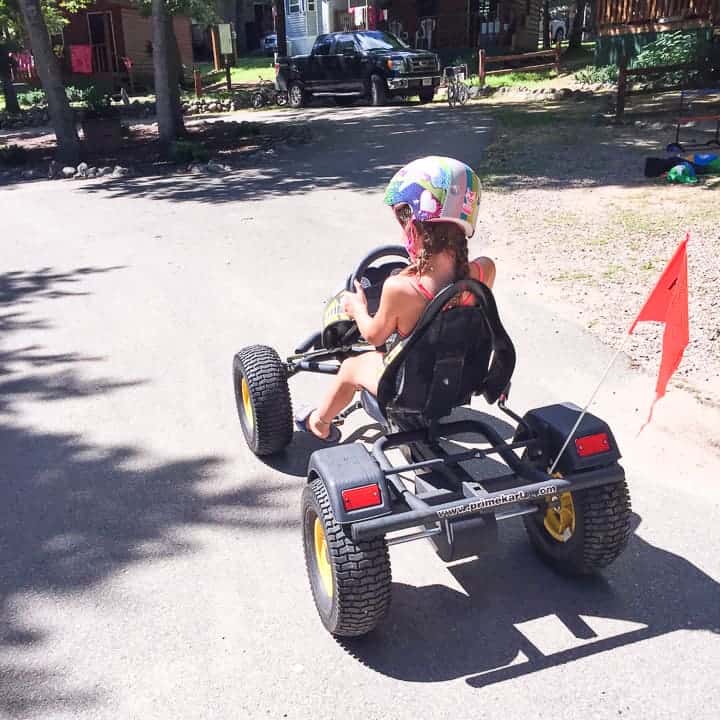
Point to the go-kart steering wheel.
(370, 258)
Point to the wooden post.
(621, 89)
(481, 66)
(215, 48)
(197, 77)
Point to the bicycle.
(265, 93)
(457, 90)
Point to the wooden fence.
(626, 75)
(627, 12)
(485, 60)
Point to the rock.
(82, 169)
(196, 168)
(215, 167)
(119, 171)
(68, 171)
(564, 92)
(92, 172)
(104, 171)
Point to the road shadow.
(74, 512)
(357, 148)
(514, 609)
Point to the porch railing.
(619, 12)
(23, 67)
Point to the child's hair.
(436, 237)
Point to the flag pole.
(587, 404)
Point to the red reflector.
(361, 497)
(592, 444)
(277, 69)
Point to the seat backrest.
(453, 353)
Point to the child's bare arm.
(376, 330)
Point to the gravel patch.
(569, 210)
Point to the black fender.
(551, 424)
(344, 467)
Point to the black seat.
(454, 352)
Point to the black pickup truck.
(348, 65)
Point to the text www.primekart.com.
(504, 499)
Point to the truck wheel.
(378, 90)
(584, 531)
(262, 397)
(296, 96)
(350, 581)
(426, 95)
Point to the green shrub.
(32, 97)
(187, 151)
(592, 75)
(75, 94)
(97, 102)
(13, 155)
(670, 48)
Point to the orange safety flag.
(668, 303)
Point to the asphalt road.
(151, 566)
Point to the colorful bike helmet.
(437, 189)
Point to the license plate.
(427, 81)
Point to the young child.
(435, 200)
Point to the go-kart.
(357, 502)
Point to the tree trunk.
(546, 24)
(175, 73)
(11, 101)
(163, 70)
(61, 116)
(6, 65)
(577, 26)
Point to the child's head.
(424, 240)
(436, 201)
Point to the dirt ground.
(566, 198)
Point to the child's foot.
(318, 426)
(312, 423)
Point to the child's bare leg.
(359, 371)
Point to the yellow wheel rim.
(560, 518)
(322, 557)
(247, 404)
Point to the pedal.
(339, 419)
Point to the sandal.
(301, 423)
